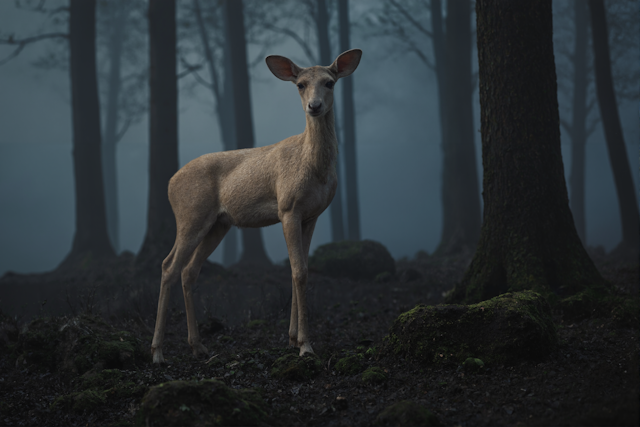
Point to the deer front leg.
(293, 235)
(169, 277)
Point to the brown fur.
(291, 182)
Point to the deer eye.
(330, 84)
(300, 86)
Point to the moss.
(226, 338)
(255, 324)
(114, 383)
(383, 277)
(374, 375)
(86, 400)
(350, 365)
(293, 367)
(75, 345)
(472, 364)
(601, 302)
(364, 259)
(406, 413)
(208, 402)
(506, 328)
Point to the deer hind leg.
(190, 274)
(185, 244)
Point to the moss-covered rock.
(293, 367)
(86, 400)
(473, 364)
(256, 324)
(350, 365)
(364, 259)
(78, 344)
(208, 402)
(624, 310)
(406, 413)
(374, 375)
(510, 327)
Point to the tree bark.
(163, 134)
(253, 247)
(90, 241)
(222, 92)
(579, 121)
(116, 11)
(460, 189)
(528, 239)
(349, 131)
(324, 48)
(629, 215)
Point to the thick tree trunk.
(253, 251)
(90, 241)
(222, 92)
(116, 11)
(460, 189)
(324, 48)
(528, 240)
(613, 132)
(579, 121)
(349, 131)
(163, 134)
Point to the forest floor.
(591, 379)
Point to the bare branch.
(124, 129)
(189, 68)
(286, 31)
(565, 124)
(21, 44)
(409, 18)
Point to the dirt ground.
(591, 379)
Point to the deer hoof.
(199, 350)
(306, 348)
(157, 356)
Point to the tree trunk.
(163, 134)
(222, 92)
(349, 131)
(90, 241)
(613, 132)
(528, 240)
(324, 48)
(579, 121)
(116, 11)
(460, 190)
(253, 247)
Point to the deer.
(291, 182)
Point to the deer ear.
(346, 63)
(283, 68)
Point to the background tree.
(90, 241)
(253, 245)
(349, 131)
(576, 86)
(121, 25)
(163, 134)
(528, 240)
(409, 23)
(629, 215)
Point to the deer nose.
(315, 105)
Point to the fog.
(398, 153)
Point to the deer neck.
(321, 145)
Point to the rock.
(472, 364)
(374, 375)
(406, 413)
(76, 345)
(350, 365)
(207, 402)
(293, 367)
(364, 260)
(510, 327)
(410, 275)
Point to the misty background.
(399, 158)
